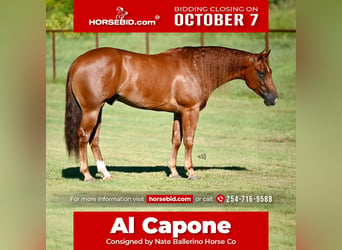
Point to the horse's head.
(259, 77)
(121, 10)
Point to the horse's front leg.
(189, 124)
(176, 142)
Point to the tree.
(59, 14)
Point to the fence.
(147, 42)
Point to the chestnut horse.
(178, 81)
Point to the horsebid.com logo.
(120, 19)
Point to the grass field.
(248, 147)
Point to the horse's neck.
(216, 66)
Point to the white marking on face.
(268, 69)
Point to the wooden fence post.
(267, 46)
(96, 40)
(147, 39)
(54, 55)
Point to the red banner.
(171, 16)
(167, 230)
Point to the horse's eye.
(261, 73)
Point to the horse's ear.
(267, 53)
(260, 55)
(263, 54)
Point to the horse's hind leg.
(176, 142)
(189, 124)
(94, 145)
(88, 123)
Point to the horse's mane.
(213, 64)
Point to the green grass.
(236, 131)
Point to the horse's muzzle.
(270, 99)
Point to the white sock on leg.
(101, 167)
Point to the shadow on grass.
(74, 172)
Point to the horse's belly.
(147, 96)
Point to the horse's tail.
(72, 120)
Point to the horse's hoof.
(193, 178)
(176, 176)
(108, 178)
(89, 180)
